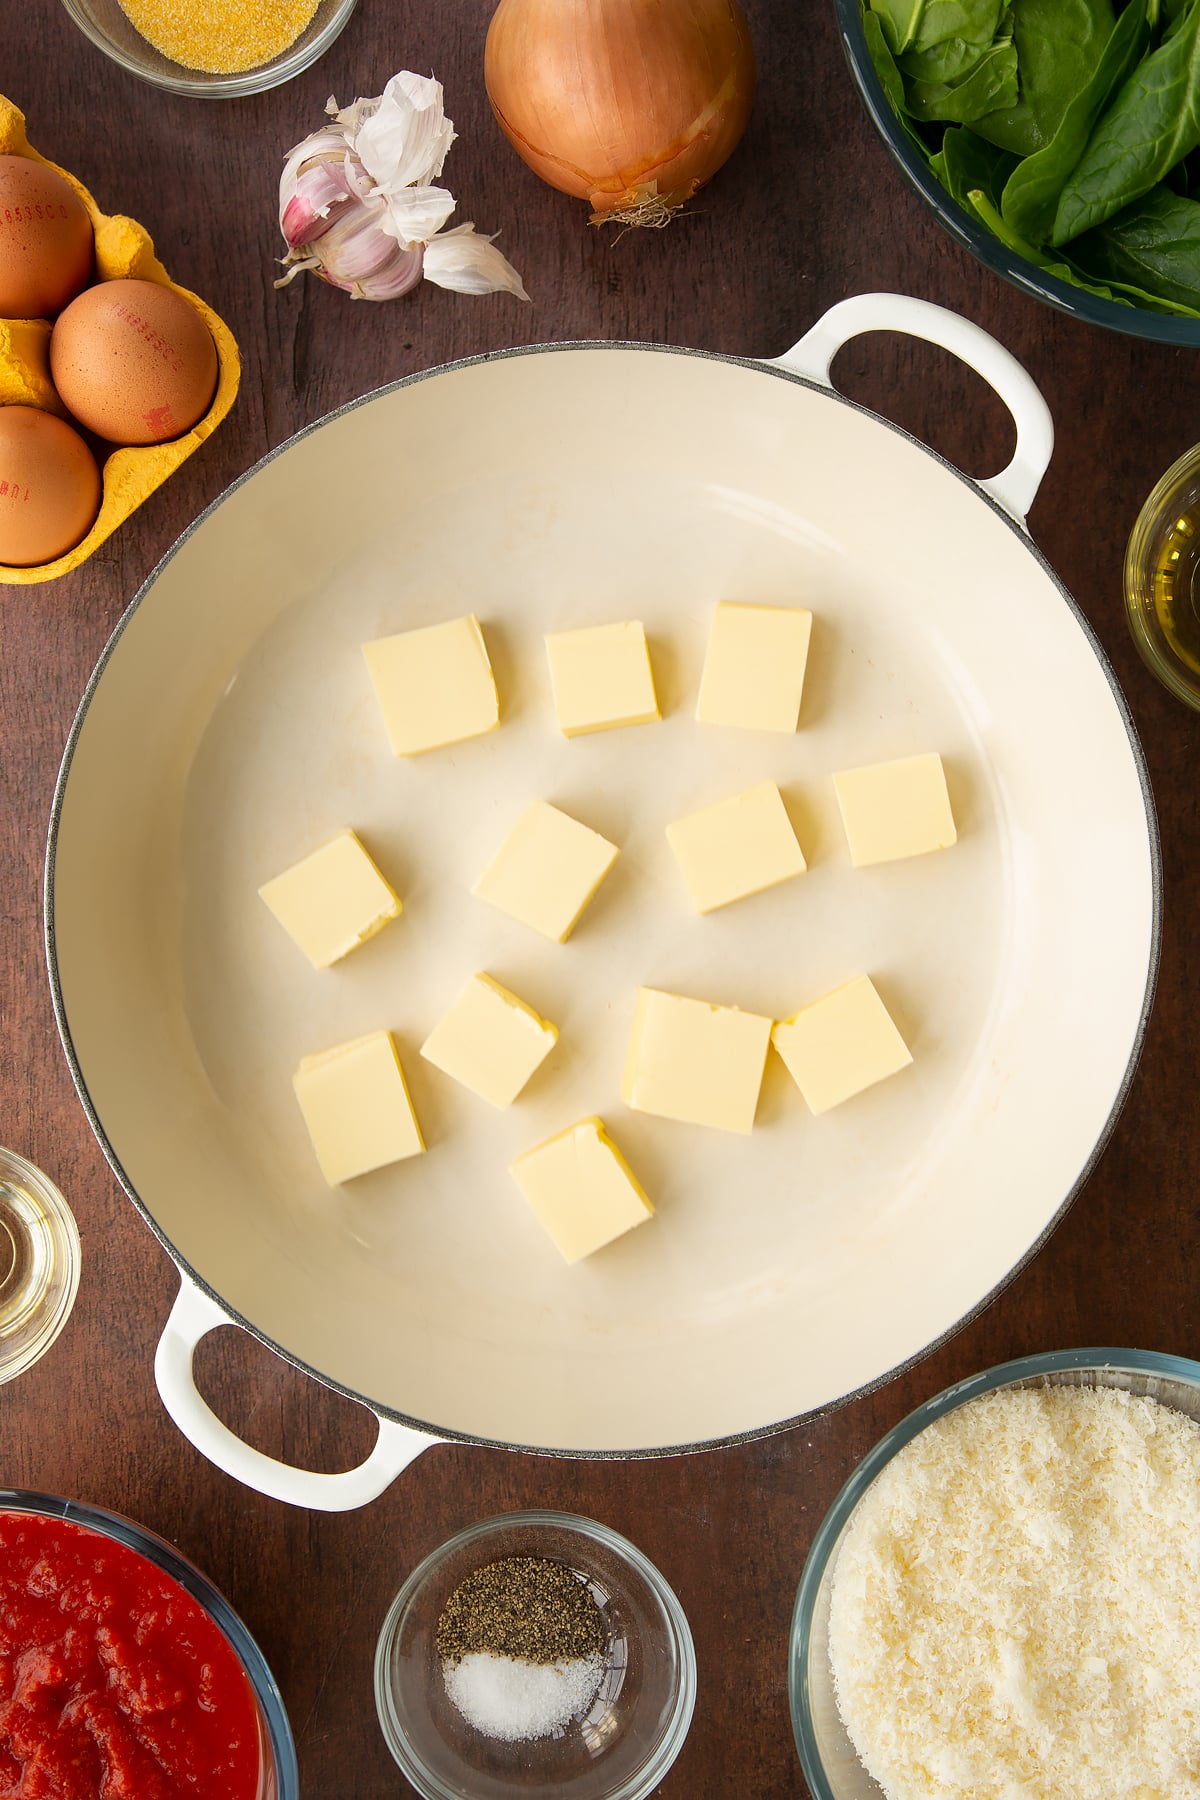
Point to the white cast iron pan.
(230, 728)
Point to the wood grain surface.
(809, 210)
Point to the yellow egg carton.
(123, 248)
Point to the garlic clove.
(414, 214)
(355, 246)
(468, 262)
(311, 197)
(405, 140)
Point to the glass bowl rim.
(196, 1584)
(643, 1781)
(1154, 510)
(64, 1228)
(1130, 321)
(1021, 1368)
(197, 82)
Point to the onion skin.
(629, 104)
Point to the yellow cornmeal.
(220, 37)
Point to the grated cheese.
(1015, 1608)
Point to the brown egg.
(46, 240)
(49, 487)
(134, 362)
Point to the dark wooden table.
(809, 210)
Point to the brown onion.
(630, 104)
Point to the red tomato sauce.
(114, 1683)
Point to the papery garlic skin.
(358, 204)
(466, 262)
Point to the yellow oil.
(1176, 589)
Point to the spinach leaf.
(948, 58)
(1031, 196)
(1059, 43)
(1153, 123)
(1066, 269)
(899, 20)
(989, 83)
(918, 26)
(987, 214)
(1153, 244)
(884, 64)
(965, 162)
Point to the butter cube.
(490, 1041)
(435, 685)
(841, 1044)
(736, 847)
(331, 901)
(582, 1189)
(754, 670)
(895, 809)
(601, 678)
(693, 1061)
(357, 1108)
(546, 870)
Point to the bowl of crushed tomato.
(123, 1671)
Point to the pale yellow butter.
(434, 685)
(356, 1105)
(736, 847)
(582, 1189)
(546, 870)
(332, 900)
(694, 1061)
(601, 677)
(895, 809)
(490, 1041)
(841, 1044)
(754, 669)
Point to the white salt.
(506, 1697)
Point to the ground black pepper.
(522, 1606)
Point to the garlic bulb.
(358, 205)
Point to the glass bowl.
(39, 1263)
(278, 1774)
(619, 1750)
(827, 1755)
(1133, 321)
(1162, 579)
(108, 27)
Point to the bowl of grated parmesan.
(1003, 1602)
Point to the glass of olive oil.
(1162, 579)
(39, 1263)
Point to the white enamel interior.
(234, 728)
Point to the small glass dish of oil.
(39, 1263)
(1162, 579)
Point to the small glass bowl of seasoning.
(536, 1651)
(218, 49)
(39, 1264)
(1162, 579)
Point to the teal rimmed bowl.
(827, 1756)
(1133, 321)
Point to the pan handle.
(1015, 486)
(193, 1316)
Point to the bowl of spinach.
(1058, 140)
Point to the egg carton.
(130, 475)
